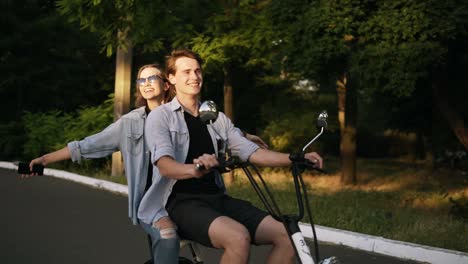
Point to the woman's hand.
(257, 140)
(36, 161)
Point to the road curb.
(355, 240)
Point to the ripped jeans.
(165, 244)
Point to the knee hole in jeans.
(168, 233)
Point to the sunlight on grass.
(394, 199)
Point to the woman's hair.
(169, 94)
(178, 53)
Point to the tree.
(44, 61)
(370, 46)
(45, 64)
(117, 22)
(319, 39)
(238, 38)
(415, 42)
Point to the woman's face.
(151, 84)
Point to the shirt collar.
(175, 105)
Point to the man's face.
(188, 77)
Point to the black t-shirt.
(200, 143)
(149, 177)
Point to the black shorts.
(194, 213)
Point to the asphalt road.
(49, 220)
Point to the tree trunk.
(347, 113)
(228, 100)
(123, 69)
(228, 110)
(454, 119)
(341, 91)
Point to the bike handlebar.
(299, 164)
(299, 160)
(225, 165)
(234, 162)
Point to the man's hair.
(179, 53)
(169, 94)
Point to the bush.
(46, 132)
(89, 120)
(292, 119)
(11, 140)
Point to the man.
(181, 144)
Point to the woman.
(126, 135)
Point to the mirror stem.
(315, 138)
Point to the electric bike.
(227, 162)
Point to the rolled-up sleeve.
(99, 145)
(158, 136)
(75, 151)
(238, 144)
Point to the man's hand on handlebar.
(204, 164)
(315, 158)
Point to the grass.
(395, 199)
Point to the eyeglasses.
(151, 79)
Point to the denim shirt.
(166, 134)
(126, 135)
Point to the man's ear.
(172, 79)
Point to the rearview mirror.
(321, 124)
(208, 112)
(322, 119)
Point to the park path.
(49, 220)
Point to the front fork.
(299, 243)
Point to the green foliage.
(11, 140)
(43, 132)
(405, 42)
(89, 120)
(104, 17)
(47, 132)
(149, 25)
(386, 45)
(289, 128)
(392, 51)
(46, 64)
(239, 34)
(289, 131)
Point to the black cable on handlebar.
(312, 225)
(275, 211)
(299, 163)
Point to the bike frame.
(208, 113)
(290, 221)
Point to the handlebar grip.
(299, 158)
(199, 167)
(223, 164)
